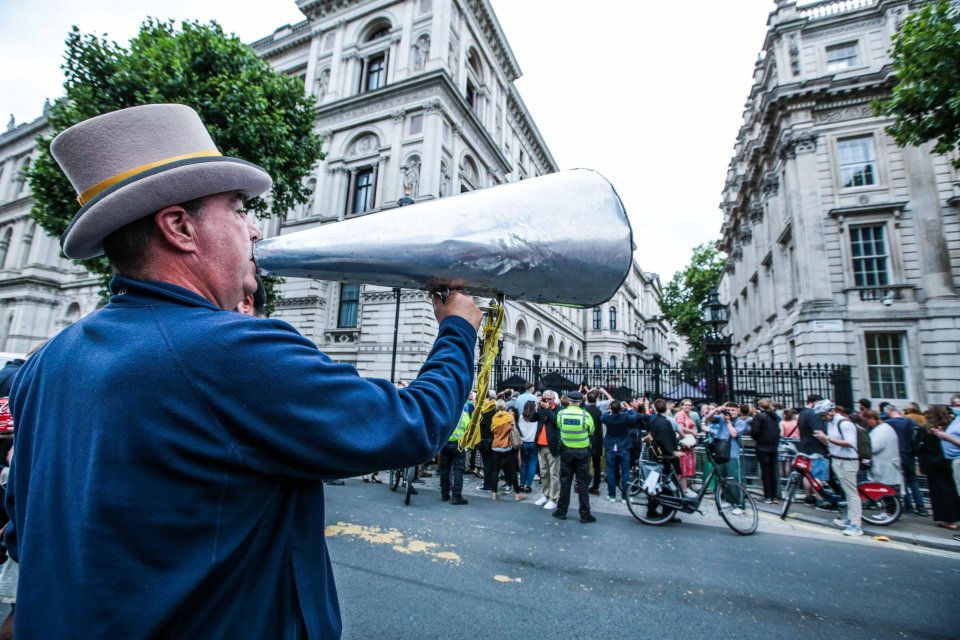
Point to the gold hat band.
(92, 192)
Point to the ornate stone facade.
(853, 258)
(414, 99)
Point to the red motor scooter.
(881, 502)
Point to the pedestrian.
(504, 456)
(451, 463)
(596, 438)
(663, 442)
(687, 432)
(485, 446)
(808, 423)
(527, 424)
(548, 451)
(841, 439)
(576, 426)
(937, 467)
(617, 443)
(765, 431)
(885, 449)
(181, 501)
(908, 433)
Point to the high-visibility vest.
(461, 427)
(575, 425)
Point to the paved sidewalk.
(908, 529)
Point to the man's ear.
(178, 228)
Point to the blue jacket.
(168, 467)
(619, 426)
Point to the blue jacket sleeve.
(303, 415)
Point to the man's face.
(224, 241)
(734, 411)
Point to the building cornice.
(23, 130)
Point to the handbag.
(515, 439)
(688, 441)
(719, 450)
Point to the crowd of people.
(891, 445)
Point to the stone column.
(394, 190)
(340, 67)
(311, 79)
(926, 210)
(432, 148)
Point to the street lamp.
(402, 202)
(717, 347)
(715, 313)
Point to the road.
(508, 570)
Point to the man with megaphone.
(171, 453)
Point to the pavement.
(909, 529)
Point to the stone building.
(414, 101)
(843, 247)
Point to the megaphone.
(563, 238)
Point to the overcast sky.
(650, 94)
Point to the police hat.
(575, 396)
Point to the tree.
(251, 111)
(926, 100)
(687, 291)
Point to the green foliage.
(687, 291)
(251, 111)
(926, 100)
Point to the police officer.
(452, 463)
(576, 426)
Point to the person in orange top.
(504, 455)
(548, 451)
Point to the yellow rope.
(491, 335)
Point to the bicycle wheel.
(789, 493)
(644, 508)
(736, 507)
(882, 512)
(396, 475)
(410, 474)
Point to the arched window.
(613, 318)
(613, 362)
(597, 318)
(597, 362)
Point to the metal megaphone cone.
(562, 238)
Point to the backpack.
(864, 446)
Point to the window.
(471, 95)
(886, 365)
(613, 362)
(858, 162)
(363, 188)
(349, 305)
(869, 251)
(374, 73)
(597, 362)
(613, 318)
(597, 318)
(842, 56)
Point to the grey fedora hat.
(131, 163)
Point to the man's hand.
(457, 304)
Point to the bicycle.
(881, 503)
(405, 475)
(656, 500)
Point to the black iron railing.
(787, 384)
